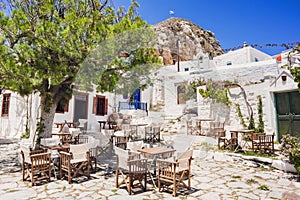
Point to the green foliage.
(25, 135)
(191, 90)
(44, 46)
(251, 123)
(261, 125)
(251, 181)
(295, 71)
(263, 187)
(290, 147)
(238, 110)
(216, 92)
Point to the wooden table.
(102, 124)
(240, 139)
(64, 147)
(61, 124)
(156, 152)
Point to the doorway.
(81, 107)
(288, 113)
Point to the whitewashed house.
(17, 111)
(258, 74)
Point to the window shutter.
(95, 105)
(66, 108)
(106, 106)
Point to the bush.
(290, 147)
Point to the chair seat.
(78, 160)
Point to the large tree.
(45, 43)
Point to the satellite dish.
(171, 12)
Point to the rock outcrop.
(189, 37)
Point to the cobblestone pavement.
(216, 175)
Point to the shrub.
(290, 147)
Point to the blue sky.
(233, 21)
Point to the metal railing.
(133, 105)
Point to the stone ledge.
(284, 166)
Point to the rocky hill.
(192, 39)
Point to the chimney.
(245, 44)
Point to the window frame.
(5, 103)
(65, 109)
(95, 105)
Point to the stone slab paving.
(216, 175)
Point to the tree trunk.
(47, 116)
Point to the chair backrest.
(135, 145)
(156, 130)
(222, 133)
(121, 141)
(79, 151)
(184, 160)
(53, 141)
(263, 138)
(104, 138)
(26, 152)
(92, 142)
(123, 156)
(148, 129)
(182, 142)
(74, 132)
(82, 123)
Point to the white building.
(257, 72)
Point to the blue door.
(137, 98)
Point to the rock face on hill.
(192, 40)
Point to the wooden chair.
(215, 127)
(263, 143)
(130, 167)
(148, 133)
(223, 142)
(36, 164)
(76, 162)
(191, 127)
(105, 146)
(121, 141)
(175, 172)
(94, 152)
(156, 134)
(82, 125)
(233, 141)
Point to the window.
(5, 105)
(255, 59)
(62, 107)
(181, 93)
(229, 63)
(100, 106)
(186, 69)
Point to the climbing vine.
(238, 110)
(260, 127)
(216, 92)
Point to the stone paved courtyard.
(216, 175)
